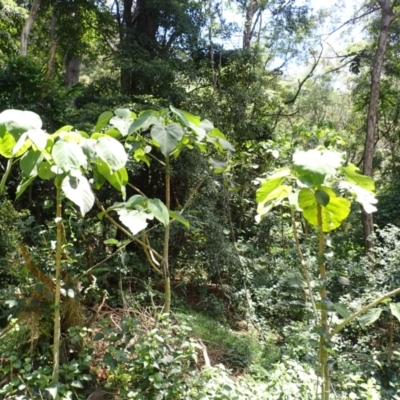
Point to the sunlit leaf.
(332, 215)
(366, 198)
(267, 187)
(68, 155)
(354, 177)
(18, 121)
(167, 137)
(38, 137)
(78, 190)
(7, 143)
(313, 166)
(112, 152)
(135, 220)
(124, 113)
(121, 124)
(273, 199)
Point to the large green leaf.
(167, 137)
(22, 145)
(271, 183)
(39, 138)
(117, 179)
(89, 148)
(352, 176)
(44, 171)
(143, 122)
(121, 124)
(78, 190)
(395, 309)
(7, 143)
(273, 199)
(186, 118)
(103, 120)
(30, 161)
(370, 316)
(135, 201)
(125, 113)
(313, 166)
(68, 156)
(17, 121)
(332, 215)
(135, 220)
(112, 152)
(159, 210)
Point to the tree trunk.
(387, 18)
(28, 26)
(53, 47)
(72, 70)
(125, 34)
(251, 9)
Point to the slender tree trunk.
(53, 47)
(126, 35)
(72, 69)
(251, 9)
(388, 17)
(28, 26)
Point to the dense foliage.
(223, 252)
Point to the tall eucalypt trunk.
(387, 17)
(28, 27)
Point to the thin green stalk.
(5, 176)
(352, 317)
(57, 294)
(304, 267)
(165, 263)
(323, 354)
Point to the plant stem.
(323, 354)
(362, 311)
(57, 293)
(165, 263)
(5, 176)
(304, 267)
